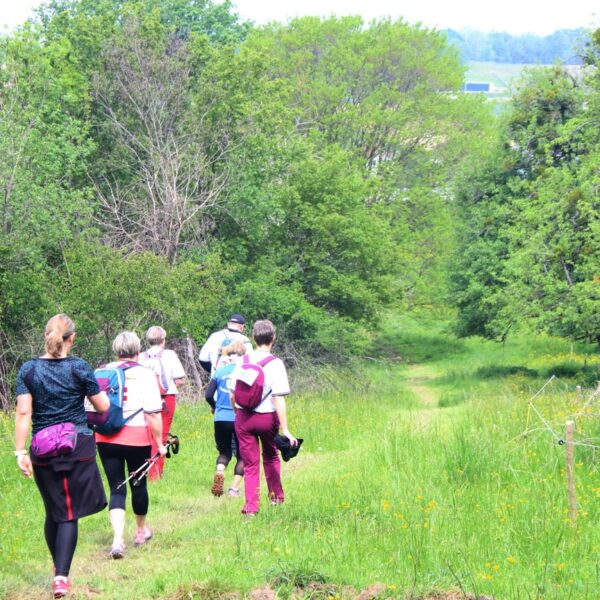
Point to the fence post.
(570, 460)
(191, 361)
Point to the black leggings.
(227, 445)
(114, 457)
(62, 541)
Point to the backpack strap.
(137, 412)
(127, 365)
(265, 361)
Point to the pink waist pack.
(56, 440)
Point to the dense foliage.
(563, 45)
(162, 161)
(530, 215)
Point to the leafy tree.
(43, 144)
(107, 291)
(529, 248)
(162, 173)
(384, 94)
(43, 149)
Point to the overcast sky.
(515, 16)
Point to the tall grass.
(393, 485)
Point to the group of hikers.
(73, 411)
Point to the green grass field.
(500, 74)
(414, 482)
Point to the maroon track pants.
(252, 428)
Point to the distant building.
(472, 86)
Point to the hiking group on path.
(124, 410)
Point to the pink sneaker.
(141, 537)
(60, 586)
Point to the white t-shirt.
(210, 350)
(169, 364)
(141, 392)
(276, 380)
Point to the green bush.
(497, 371)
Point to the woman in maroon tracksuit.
(263, 423)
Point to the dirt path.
(419, 382)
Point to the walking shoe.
(233, 492)
(117, 551)
(141, 537)
(217, 486)
(60, 586)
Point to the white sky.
(515, 16)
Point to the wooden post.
(191, 361)
(570, 428)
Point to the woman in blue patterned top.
(50, 391)
(225, 437)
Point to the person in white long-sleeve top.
(234, 332)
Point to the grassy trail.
(418, 380)
(409, 478)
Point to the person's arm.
(204, 356)
(280, 409)
(100, 402)
(177, 370)
(22, 425)
(209, 394)
(155, 424)
(152, 405)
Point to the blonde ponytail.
(58, 330)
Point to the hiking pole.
(172, 444)
(134, 473)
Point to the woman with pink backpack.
(260, 385)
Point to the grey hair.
(263, 332)
(156, 335)
(127, 345)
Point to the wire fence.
(552, 425)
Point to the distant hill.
(563, 45)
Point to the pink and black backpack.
(249, 386)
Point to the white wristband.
(18, 453)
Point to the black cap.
(237, 318)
